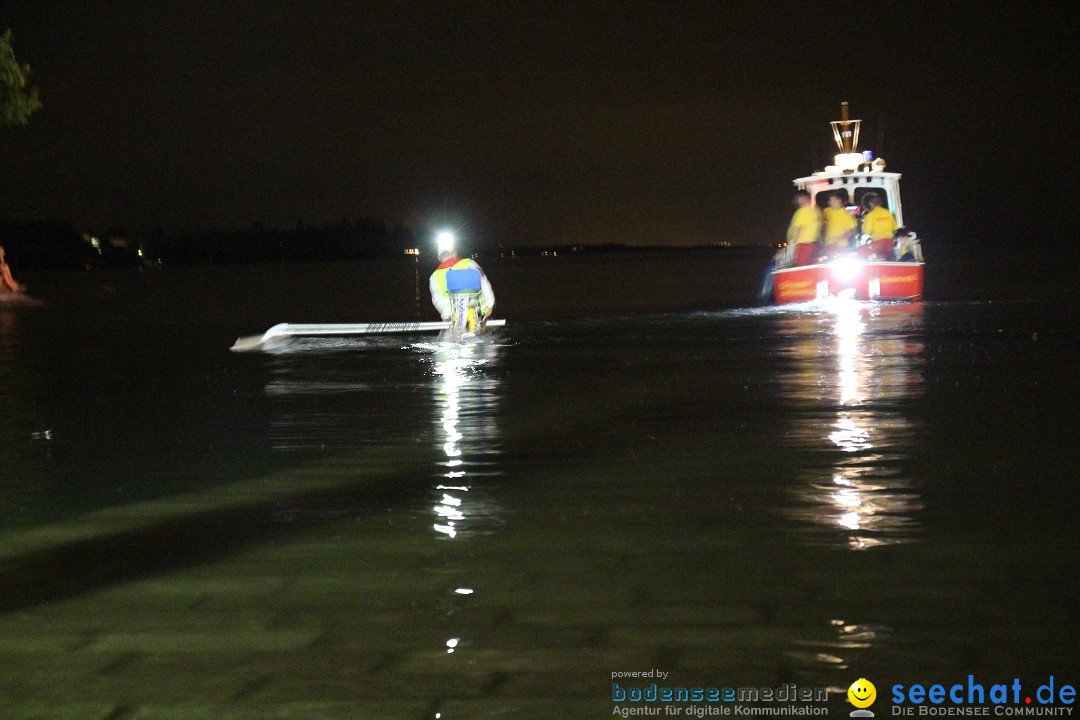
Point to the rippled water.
(741, 496)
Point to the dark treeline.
(58, 245)
(44, 245)
(363, 239)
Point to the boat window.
(821, 199)
(861, 192)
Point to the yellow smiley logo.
(862, 693)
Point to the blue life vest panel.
(463, 280)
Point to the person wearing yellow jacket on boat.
(839, 226)
(880, 225)
(804, 230)
(457, 275)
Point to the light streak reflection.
(857, 376)
(465, 429)
(465, 432)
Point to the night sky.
(539, 122)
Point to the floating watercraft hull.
(861, 279)
(282, 331)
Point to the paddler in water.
(7, 283)
(804, 230)
(458, 275)
(880, 225)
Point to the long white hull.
(287, 330)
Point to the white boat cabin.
(856, 185)
(854, 174)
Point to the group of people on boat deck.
(817, 235)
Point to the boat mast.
(846, 131)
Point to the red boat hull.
(862, 279)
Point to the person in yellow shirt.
(880, 225)
(839, 226)
(804, 230)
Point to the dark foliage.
(44, 245)
(56, 245)
(364, 239)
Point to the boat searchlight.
(846, 268)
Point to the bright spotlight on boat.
(846, 268)
(444, 241)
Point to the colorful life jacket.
(458, 276)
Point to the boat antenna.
(845, 131)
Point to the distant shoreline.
(58, 245)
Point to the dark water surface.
(640, 471)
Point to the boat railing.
(906, 246)
(784, 257)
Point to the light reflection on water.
(466, 430)
(859, 367)
(336, 394)
(465, 398)
(333, 394)
(853, 373)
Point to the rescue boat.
(856, 272)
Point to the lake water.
(641, 471)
